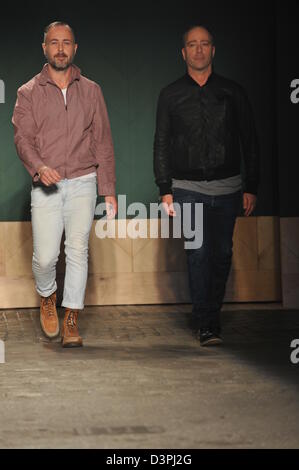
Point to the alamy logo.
(295, 93)
(2, 92)
(188, 222)
(295, 354)
(2, 352)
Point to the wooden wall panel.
(289, 233)
(145, 271)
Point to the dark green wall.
(132, 50)
(287, 112)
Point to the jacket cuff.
(165, 188)
(106, 189)
(33, 168)
(250, 187)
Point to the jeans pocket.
(41, 196)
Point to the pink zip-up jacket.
(75, 139)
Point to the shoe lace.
(48, 302)
(71, 319)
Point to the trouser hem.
(42, 294)
(72, 306)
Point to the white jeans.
(67, 206)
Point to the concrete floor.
(143, 381)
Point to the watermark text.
(2, 352)
(295, 93)
(153, 222)
(294, 357)
(2, 91)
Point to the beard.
(58, 65)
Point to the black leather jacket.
(204, 132)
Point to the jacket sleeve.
(249, 143)
(102, 147)
(162, 147)
(25, 130)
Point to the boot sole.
(49, 335)
(212, 342)
(72, 345)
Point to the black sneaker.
(208, 337)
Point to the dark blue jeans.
(209, 265)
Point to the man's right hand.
(167, 202)
(48, 176)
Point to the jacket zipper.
(67, 125)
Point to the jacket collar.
(190, 80)
(44, 76)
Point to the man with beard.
(63, 137)
(204, 129)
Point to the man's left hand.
(111, 206)
(249, 203)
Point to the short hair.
(57, 23)
(197, 26)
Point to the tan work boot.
(70, 337)
(48, 316)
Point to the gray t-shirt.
(212, 188)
